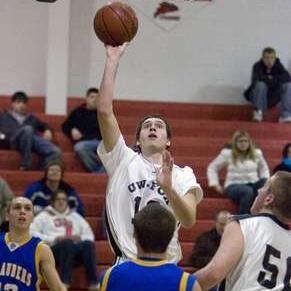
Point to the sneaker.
(258, 115)
(285, 119)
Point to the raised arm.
(48, 269)
(184, 207)
(226, 258)
(107, 121)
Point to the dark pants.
(259, 98)
(244, 194)
(69, 255)
(26, 142)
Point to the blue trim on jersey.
(18, 266)
(142, 276)
(191, 281)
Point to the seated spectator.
(270, 85)
(247, 171)
(21, 129)
(154, 227)
(83, 130)
(70, 237)
(40, 192)
(285, 164)
(208, 242)
(6, 196)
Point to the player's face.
(242, 144)
(269, 60)
(153, 134)
(19, 106)
(61, 202)
(20, 213)
(91, 100)
(260, 201)
(54, 173)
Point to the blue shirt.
(19, 264)
(40, 196)
(147, 275)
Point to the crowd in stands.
(60, 216)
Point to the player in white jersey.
(137, 178)
(255, 251)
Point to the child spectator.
(285, 164)
(40, 192)
(70, 237)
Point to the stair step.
(84, 183)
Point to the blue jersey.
(19, 265)
(147, 275)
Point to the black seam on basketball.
(120, 19)
(107, 32)
(134, 22)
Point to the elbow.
(104, 112)
(215, 276)
(187, 224)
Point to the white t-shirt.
(266, 261)
(132, 184)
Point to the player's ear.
(168, 143)
(269, 199)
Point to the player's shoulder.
(182, 169)
(252, 218)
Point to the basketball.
(115, 23)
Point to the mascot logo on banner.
(165, 14)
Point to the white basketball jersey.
(131, 186)
(266, 261)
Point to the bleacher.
(199, 132)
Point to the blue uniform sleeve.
(191, 282)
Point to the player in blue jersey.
(154, 227)
(24, 260)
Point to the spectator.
(208, 242)
(70, 237)
(247, 171)
(285, 164)
(40, 192)
(21, 129)
(6, 196)
(83, 130)
(270, 85)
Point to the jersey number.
(9, 287)
(273, 269)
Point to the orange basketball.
(115, 23)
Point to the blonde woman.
(246, 171)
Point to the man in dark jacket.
(21, 130)
(208, 242)
(270, 85)
(83, 130)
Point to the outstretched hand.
(164, 173)
(115, 52)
